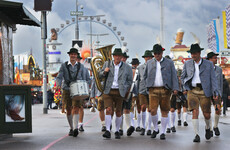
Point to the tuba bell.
(97, 63)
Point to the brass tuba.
(97, 63)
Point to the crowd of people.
(154, 90)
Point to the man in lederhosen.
(71, 71)
(182, 102)
(95, 94)
(143, 94)
(134, 101)
(81, 110)
(177, 102)
(217, 104)
(161, 79)
(126, 105)
(118, 83)
(199, 79)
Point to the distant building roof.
(17, 14)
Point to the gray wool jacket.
(219, 77)
(207, 77)
(125, 77)
(63, 74)
(140, 80)
(168, 71)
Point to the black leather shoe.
(71, 132)
(207, 134)
(130, 130)
(142, 131)
(154, 134)
(179, 122)
(149, 132)
(216, 130)
(107, 134)
(162, 136)
(185, 124)
(103, 129)
(168, 130)
(117, 135)
(173, 129)
(138, 129)
(75, 132)
(81, 129)
(211, 133)
(197, 138)
(121, 132)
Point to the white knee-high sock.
(164, 121)
(75, 121)
(185, 116)
(155, 120)
(173, 117)
(70, 121)
(132, 119)
(127, 120)
(169, 121)
(121, 126)
(149, 121)
(207, 122)
(195, 123)
(144, 119)
(118, 122)
(179, 116)
(138, 119)
(216, 120)
(102, 123)
(210, 124)
(108, 120)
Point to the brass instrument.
(97, 63)
(92, 109)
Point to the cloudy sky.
(138, 21)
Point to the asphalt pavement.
(49, 131)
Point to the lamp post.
(77, 14)
(44, 37)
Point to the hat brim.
(147, 56)
(194, 51)
(120, 54)
(135, 63)
(72, 52)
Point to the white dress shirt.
(158, 80)
(196, 77)
(116, 72)
(69, 63)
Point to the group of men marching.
(156, 83)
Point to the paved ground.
(50, 132)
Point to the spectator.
(50, 97)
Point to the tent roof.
(17, 13)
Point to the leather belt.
(198, 85)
